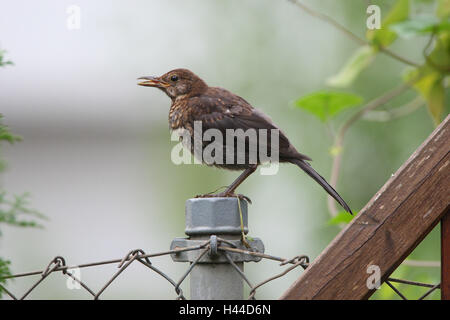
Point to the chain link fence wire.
(58, 264)
(432, 287)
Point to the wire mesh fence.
(224, 247)
(58, 264)
(431, 287)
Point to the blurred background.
(95, 154)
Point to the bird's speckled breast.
(177, 114)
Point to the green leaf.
(430, 78)
(4, 63)
(341, 217)
(383, 37)
(4, 272)
(325, 104)
(430, 84)
(436, 100)
(6, 135)
(439, 58)
(358, 61)
(12, 211)
(419, 26)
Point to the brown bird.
(217, 108)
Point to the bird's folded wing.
(233, 112)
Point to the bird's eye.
(174, 78)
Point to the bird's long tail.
(305, 166)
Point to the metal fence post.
(213, 277)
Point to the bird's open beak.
(153, 82)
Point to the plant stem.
(398, 112)
(349, 33)
(338, 143)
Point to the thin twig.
(398, 112)
(329, 20)
(349, 33)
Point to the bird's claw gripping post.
(225, 195)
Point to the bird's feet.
(224, 194)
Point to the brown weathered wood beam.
(387, 229)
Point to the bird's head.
(176, 83)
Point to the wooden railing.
(398, 217)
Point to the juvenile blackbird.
(217, 108)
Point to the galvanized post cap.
(221, 216)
